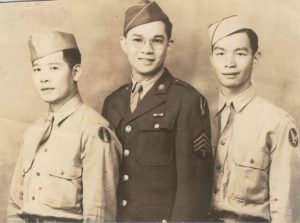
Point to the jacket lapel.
(155, 97)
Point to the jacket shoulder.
(186, 89)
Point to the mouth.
(231, 73)
(146, 60)
(47, 89)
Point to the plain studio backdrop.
(97, 25)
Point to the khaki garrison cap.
(142, 13)
(225, 27)
(43, 44)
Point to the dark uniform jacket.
(166, 171)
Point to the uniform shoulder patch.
(104, 134)
(293, 137)
(202, 147)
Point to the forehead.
(234, 41)
(56, 57)
(156, 28)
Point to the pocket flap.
(66, 172)
(256, 160)
(154, 124)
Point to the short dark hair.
(72, 57)
(252, 38)
(168, 28)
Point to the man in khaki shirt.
(67, 170)
(257, 149)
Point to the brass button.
(156, 126)
(126, 152)
(123, 203)
(164, 221)
(125, 177)
(128, 128)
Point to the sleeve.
(15, 201)
(284, 173)
(100, 160)
(193, 161)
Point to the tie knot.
(137, 88)
(50, 118)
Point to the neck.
(232, 92)
(141, 77)
(53, 107)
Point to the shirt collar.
(67, 109)
(239, 101)
(148, 83)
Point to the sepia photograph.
(149, 111)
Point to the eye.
(137, 40)
(241, 54)
(157, 41)
(36, 69)
(53, 68)
(219, 53)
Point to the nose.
(230, 61)
(147, 48)
(44, 77)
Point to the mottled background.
(97, 25)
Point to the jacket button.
(164, 221)
(219, 167)
(128, 128)
(126, 152)
(252, 161)
(123, 203)
(216, 190)
(156, 126)
(222, 142)
(125, 177)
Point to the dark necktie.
(135, 97)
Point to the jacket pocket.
(250, 177)
(156, 141)
(63, 187)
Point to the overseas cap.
(225, 27)
(43, 44)
(142, 13)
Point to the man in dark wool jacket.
(163, 125)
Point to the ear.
(170, 45)
(123, 43)
(256, 57)
(76, 71)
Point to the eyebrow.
(243, 48)
(156, 36)
(218, 48)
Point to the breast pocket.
(156, 139)
(63, 187)
(250, 181)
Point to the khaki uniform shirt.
(256, 161)
(74, 174)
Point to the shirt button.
(62, 173)
(222, 142)
(33, 198)
(216, 190)
(128, 128)
(252, 161)
(125, 177)
(126, 152)
(156, 126)
(219, 167)
(46, 150)
(123, 203)
(38, 173)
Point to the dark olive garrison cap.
(142, 13)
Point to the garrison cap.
(144, 12)
(43, 44)
(225, 27)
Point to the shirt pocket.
(156, 141)
(250, 179)
(63, 188)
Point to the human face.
(233, 60)
(146, 47)
(54, 79)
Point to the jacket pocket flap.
(256, 160)
(66, 172)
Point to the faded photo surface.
(98, 25)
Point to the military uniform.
(74, 174)
(166, 171)
(256, 161)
